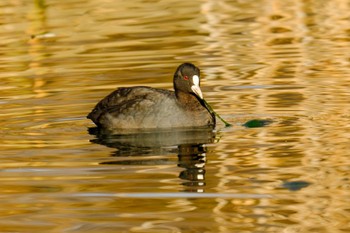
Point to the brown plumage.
(146, 107)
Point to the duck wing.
(123, 99)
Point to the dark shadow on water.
(188, 144)
(295, 185)
(257, 123)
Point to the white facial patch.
(195, 87)
(195, 79)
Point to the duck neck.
(192, 103)
(188, 101)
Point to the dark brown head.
(187, 80)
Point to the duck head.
(187, 80)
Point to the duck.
(143, 107)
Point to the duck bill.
(196, 90)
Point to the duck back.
(145, 107)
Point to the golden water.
(285, 61)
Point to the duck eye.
(185, 77)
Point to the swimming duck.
(142, 107)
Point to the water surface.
(282, 61)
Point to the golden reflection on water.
(286, 61)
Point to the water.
(286, 62)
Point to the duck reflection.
(189, 144)
(192, 158)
